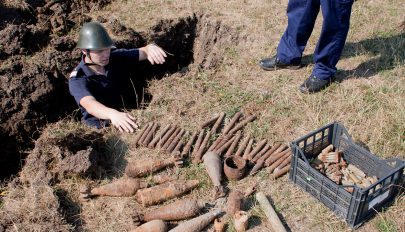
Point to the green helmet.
(93, 36)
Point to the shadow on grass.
(256, 220)
(388, 52)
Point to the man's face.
(100, 57)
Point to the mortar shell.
(248, 149)
(218, 123)
(197, 224)
(176, 140)
(242, 146)
(160, 193)
(142, 168)
(213, 166)
(187, 148)
(234, 144)
(231, 123)
(178, 210)
(158, 137)
(234, 202)
(119, 188)
(152, 226)
(243, 123)
(209, 122)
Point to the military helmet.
(93, 36)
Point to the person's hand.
(124, 122)
(155, 54)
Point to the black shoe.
(275, 63)
(314, 84)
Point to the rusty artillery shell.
(175, 140)
(176, 150)
(144, 167)
(235, 167)
(261, 161)
(178, 210)
(219, 142)
(234, 144)
(261, 153)
(231, 123)
(148, 128)
(242, 146)
(277, 154)
(241, 219)
(219, 225)
(152, 226)
(234, 202)
(327, 149)
(197, 224)
(163, 192)
(119, 188)
(198, 142)
(277, 162)
(225, 146)
(158, 137)
(217, 124)
(285, 162)
(149, 136)
(248, 149)
(242, 124)
(162, 178)
(250, 190)
(258, 147)
(166, 136)
(279, 172)
(201, 150)
(209, 122)
(139, 135)
(187, 148)
(213, 166)
(171, 138)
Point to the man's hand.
(123, 121)
(154, 53)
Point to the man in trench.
(94, 83)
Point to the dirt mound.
(36, 56)
(34, 90)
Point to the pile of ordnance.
(224, 155)
(333, 165)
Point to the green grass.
(386, 225)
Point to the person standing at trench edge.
(301, 19)
(94, 83)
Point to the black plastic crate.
(362, 203)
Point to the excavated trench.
(34, 92)
(33, 89)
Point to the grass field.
(368, 99)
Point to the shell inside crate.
(355, 203)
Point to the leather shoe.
(275, 63)
(314, 84)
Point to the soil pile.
(37, 55)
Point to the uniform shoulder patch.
(73, 74)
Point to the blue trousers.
(301, 19)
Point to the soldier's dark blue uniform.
(301, 19)
(104, 88)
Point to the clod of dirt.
(54, 159)
(63, 44)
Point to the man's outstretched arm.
(121, 120)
